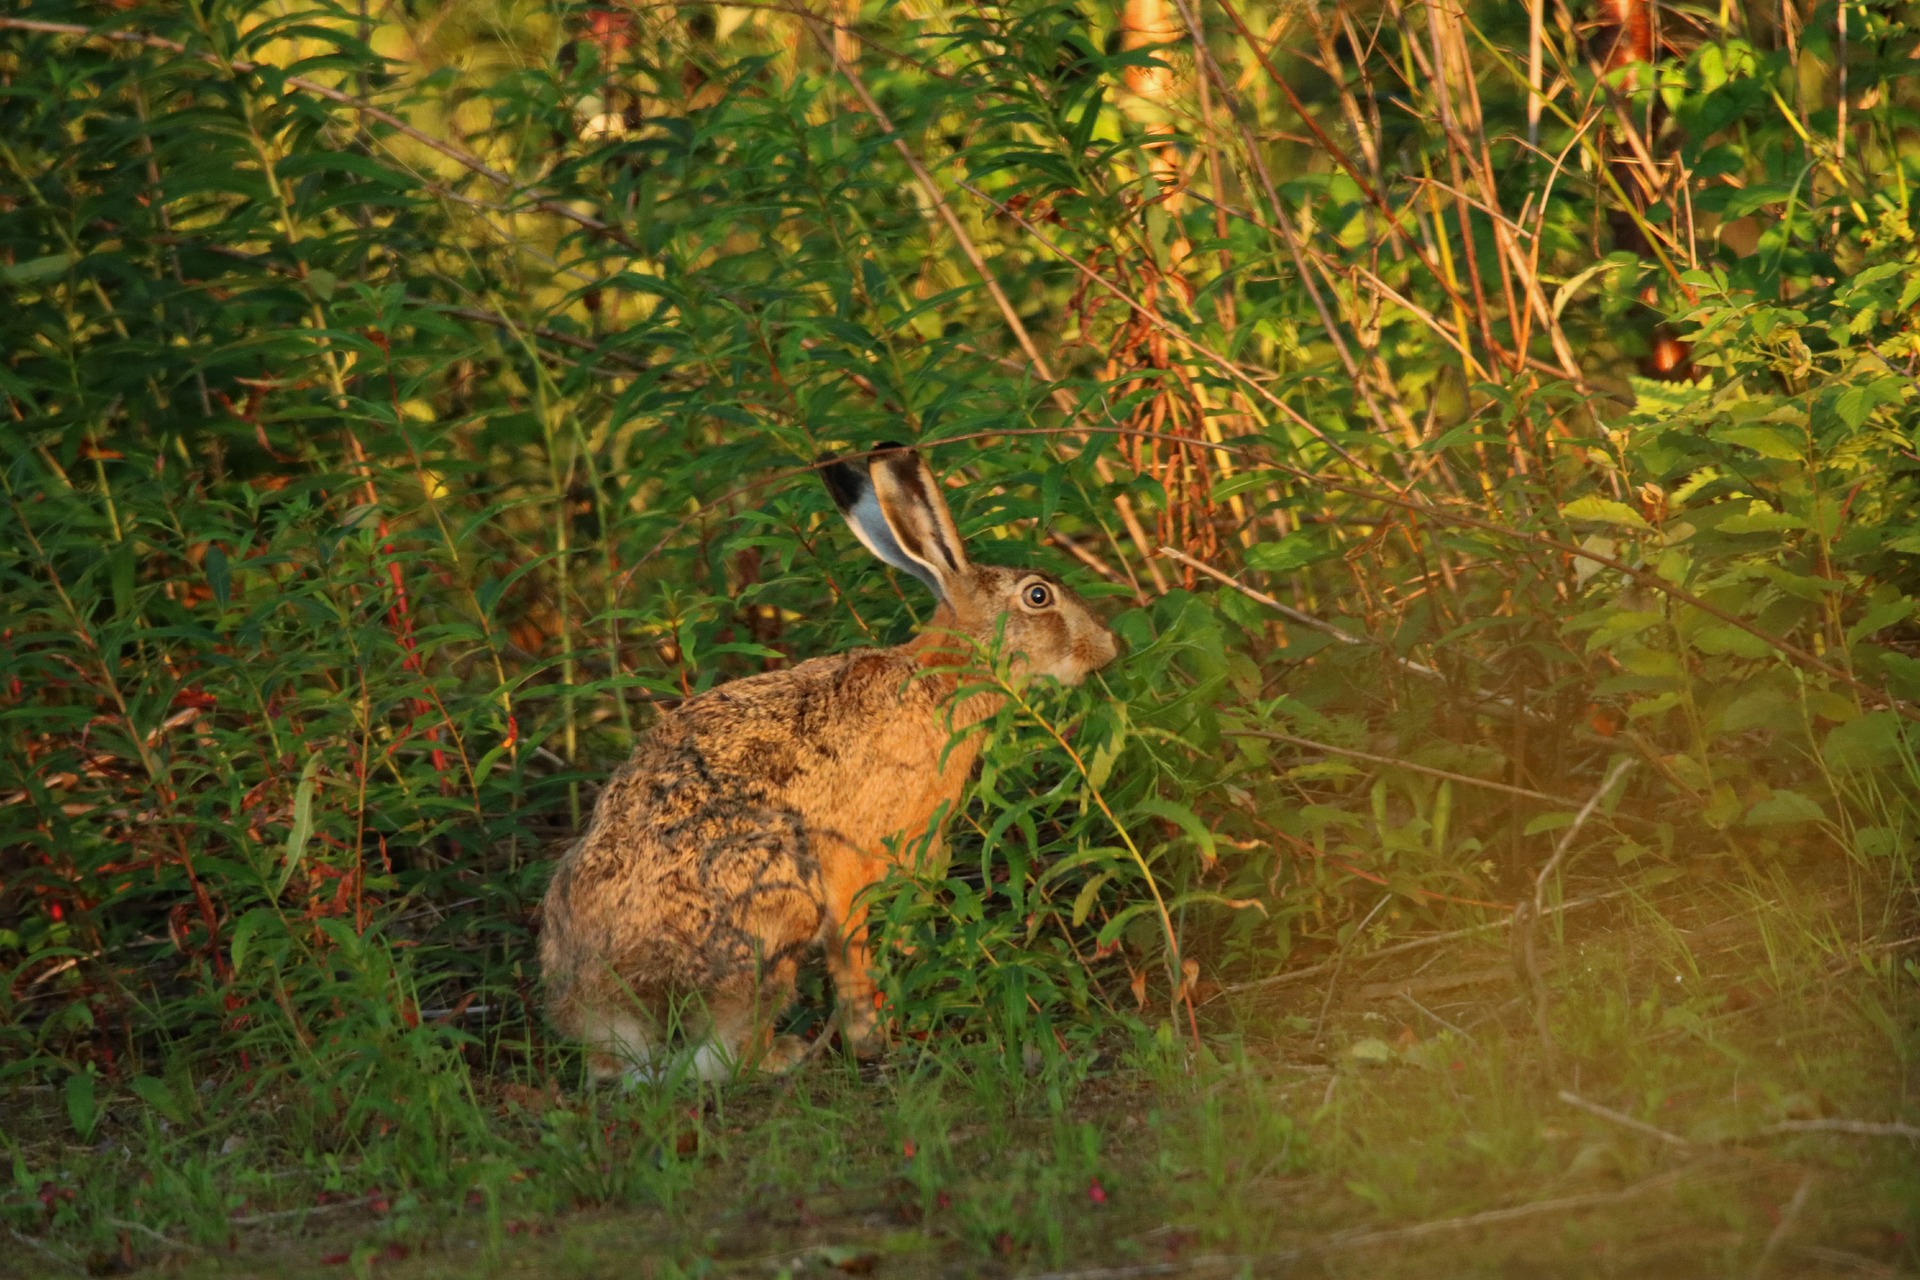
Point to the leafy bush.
(405, 406)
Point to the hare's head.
(895, 507)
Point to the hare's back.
(692, 867)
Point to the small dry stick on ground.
(1400, 948)
(1259, 1264)
(1485, 784)
(49, 1252)
(1788, 1216)
(1489, 1217)
(1320, 1023)
(281, 1215)
(1623, 1120)
(1840, 1257)
(1526, 918)
(1862, 1128)
(142, 1228)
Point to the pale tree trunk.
(1144, 24)
(1536, 45)
(1180, 409)
(1630, 23)
(1148, 24)
(846, 13)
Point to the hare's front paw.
(870, 1044)
(865, 1030)
(783, 1055)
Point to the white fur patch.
(712, 1062)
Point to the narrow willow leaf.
(35, 270)
(1088, 895)
(219, 578)
(302, 829)
(83, 1112)
(1605, 511)
(1184, 818)
(240, 939)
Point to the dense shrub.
(403, 407)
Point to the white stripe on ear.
(915, 508)
(851, 486)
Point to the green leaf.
(154, 1093)
(1100, 766)
(1729, 640)
(1871, 741)
(1761, 707)
(1879, 616)
(1828, 705)
(218, 576)
(1641, 708)
(1464, 434)
(1903, 673)
(1620, 624)
(1604, 511)
(83, 1112)
(1876, 842)
(1113, 928)
(1767, 441)
(1628, 851)
(302, 829)
(1803, 586)
(1857, 403)
(1217, 899)
(1093, 855)
(240, 940)
(35, 270)
(1784, 808)
(1088, 895)
(1566, 292)
(1549, 822)
(1186, 820)
(1082, 132)
(1585, 567)
(1317, 769)
(120, 576)
(1759, 518)
(1756, 196)
(1295, 551)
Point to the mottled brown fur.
(747, 823)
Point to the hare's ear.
(916, 510)
(895, 507)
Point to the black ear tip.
(845, 481)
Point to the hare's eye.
(1039, 595)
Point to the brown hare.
(748, 822)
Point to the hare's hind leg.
(738, 1028)
(623, 1044)
(856, 998)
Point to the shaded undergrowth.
(1734, 1061)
